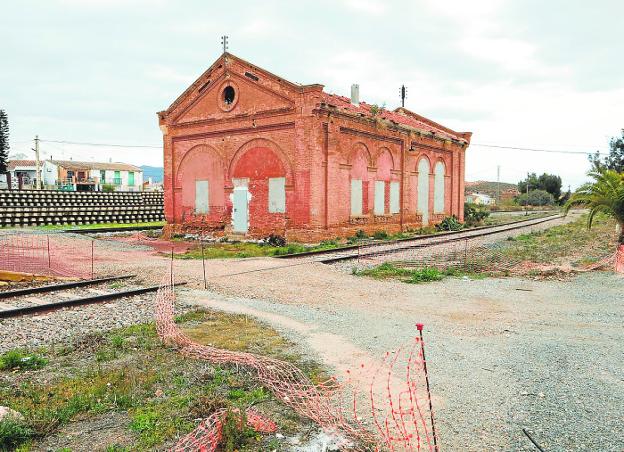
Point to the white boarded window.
(438, 188)
(380, 197)
(201, 196)
(394, 197)
(277, 195)
(356, 197)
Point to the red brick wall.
(275, 129)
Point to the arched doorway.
(259, 195)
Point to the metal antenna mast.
(403, 93)
(224, 42)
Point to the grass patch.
(226, 250)
(21, 360)
(571, 242)
(163, 393)
(388, 270)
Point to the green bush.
(474, 214)
(536, 198)
(13, 432)
(15, 359)
(450, 224)
(380, 235)
(108, 188)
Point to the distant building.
(509, 194)
(74, 175)
(92, 176)
(480, 198)
(23, 174)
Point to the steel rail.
(406, 239)
(17, 312)
(63, 286)
(439, 242)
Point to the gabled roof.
(400, 116)
(12, 164)
(114, 166)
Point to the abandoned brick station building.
(248, 152)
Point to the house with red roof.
(248, 152)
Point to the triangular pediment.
(255, 91)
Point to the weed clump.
(16, 359)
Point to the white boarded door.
(240, 211)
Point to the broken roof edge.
(457, 137)
(295, 86)
(405, 111)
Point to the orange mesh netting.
(376, 408)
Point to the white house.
(480, 198)
(92, 176)
(26, 171)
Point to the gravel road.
(504, 354)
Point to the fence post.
(49, 259)
(203, 262)
(420, 326)
(92, 257)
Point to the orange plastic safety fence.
(378, 407)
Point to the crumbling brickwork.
(240, 130)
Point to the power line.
(103, 144)
(556, 151)
(493, 146)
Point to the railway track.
(51, 297)
(381, 248)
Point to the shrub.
(275, 240)
(536, 198)
(450, 224)
(360, 234)
(474, 214)
(380, 235)
(13, 432)
(15, 359)
(108, 188)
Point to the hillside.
(486, 187)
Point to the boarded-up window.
(394, 197)
(201, 196)
(356, 197)
(438, 188)
(380, 197)
(423, 190)
(277, 195)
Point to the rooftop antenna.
(224, 42)
(403, 92)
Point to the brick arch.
(357, 148)
(265, 144)
(385, 163)
(201, 162)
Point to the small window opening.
(228, 95)
(251, 76)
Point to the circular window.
(229, 95)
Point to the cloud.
(372, 7)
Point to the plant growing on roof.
(605, 194)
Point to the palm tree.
(605, 194)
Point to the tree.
(605, 194)
(536, 198)
(4, 141)
(614, 161)
(547, 182)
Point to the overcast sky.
(528, 73)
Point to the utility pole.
(526, 205)
(498, 184)
(37, 164)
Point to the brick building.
(248, 152)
